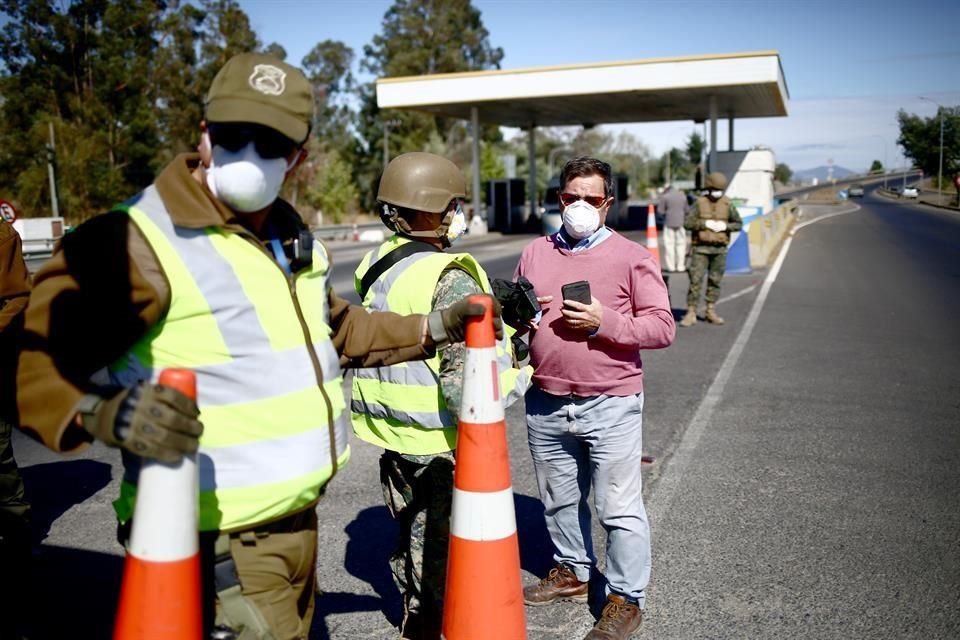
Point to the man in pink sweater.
(584, 410)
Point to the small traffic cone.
(484, 596)
(653, 246)
(160, 597)
(355, 234)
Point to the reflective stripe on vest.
(233, 319)
(400, 407)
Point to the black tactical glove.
(151, 421)
(450, 324)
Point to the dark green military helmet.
(715, 180)
(421, 182)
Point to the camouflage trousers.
(711, 264)
(418, 490)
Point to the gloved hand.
(716, 225)
(450, 324)
(149, 420)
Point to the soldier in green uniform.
(14, 508)
(411, 410)
(711, 220)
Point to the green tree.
(695, 146)
(418, 37)
(491, 167)
(328, 68)
(179, 89)
(876, 167)
(85, 69)
(920, 139)
(673, 166)
(333, 191)
(782, 173)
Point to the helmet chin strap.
(392, 218)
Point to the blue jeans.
(575, 440)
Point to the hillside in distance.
(822, 172)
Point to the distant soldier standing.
(711, 220)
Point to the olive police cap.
(258, 88)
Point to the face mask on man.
(581, 219)
(715, 194)
(457, 226)
(243, 180)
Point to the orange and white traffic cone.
(355, 233)
(160, 597)
(484, 596)
(653, 245)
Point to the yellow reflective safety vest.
(268, 377)
(401, 407)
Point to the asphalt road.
(805, 479)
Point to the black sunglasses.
(234, 136)
(567, 199)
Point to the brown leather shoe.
(618, 620)
(560, 584)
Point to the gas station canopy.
(698, 88)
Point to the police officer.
(411, 410)
(209, 269)
(711, 220)
(14, 508)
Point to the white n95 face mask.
(458, 225)
(716, 194)
(243, 180)
(581, 219)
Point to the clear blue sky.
(849, 64)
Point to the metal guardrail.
(343, 231)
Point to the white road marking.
(733, 296)
(676, 466)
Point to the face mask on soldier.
(715, 194)
(458, 225)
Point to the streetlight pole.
(940, 165)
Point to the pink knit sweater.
(626, 280)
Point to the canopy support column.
(532, 167)
(475, 149)
(730, 133)
(712, 161)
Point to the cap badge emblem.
(268, 79)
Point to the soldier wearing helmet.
(411, 411)
(710, 221)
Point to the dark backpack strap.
(380, 266)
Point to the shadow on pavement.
(536, 549)
(371, 538)
(73, 594)
(54, 487)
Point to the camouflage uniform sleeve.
(454, 285)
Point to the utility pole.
(940, 110)
(51, 173)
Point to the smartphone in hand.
(579, 291)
